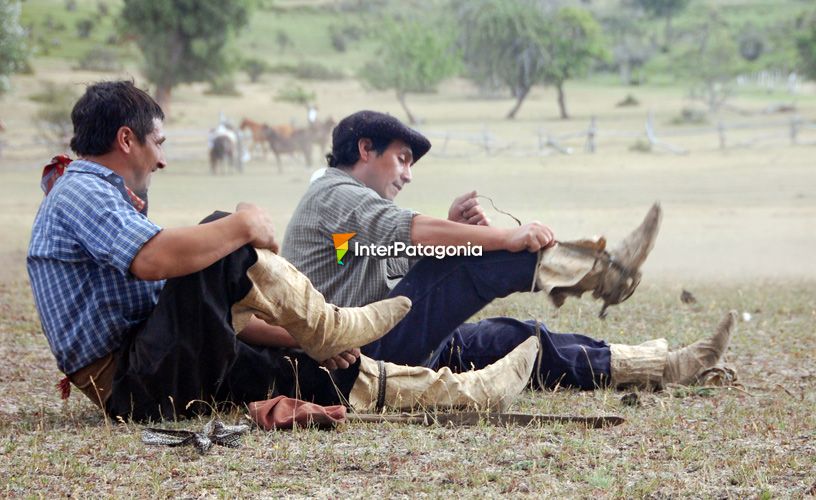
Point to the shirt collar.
(339, 172)
(91, 167)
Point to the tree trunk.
(401, 98)
(163, 94)
(562, 103)
(519, 99)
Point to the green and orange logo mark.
(341, 245)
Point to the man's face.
(148, 157)
(389, 172)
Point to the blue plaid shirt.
(84, 239)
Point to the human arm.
(532, 237)
(180, 251)
(258, 332)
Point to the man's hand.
(531, 237)
(466, 210)
(342, 360)
(260, 226)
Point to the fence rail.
(191, 144)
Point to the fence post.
(590, 144)
(721, 132)
(794, 130)
(486, 138)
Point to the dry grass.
(697, 442)
(738, 232)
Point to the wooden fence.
(593, 137)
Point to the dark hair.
(104, 108)
(346, 155)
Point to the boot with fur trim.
(573, 268)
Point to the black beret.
(374, 124)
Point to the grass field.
(738, 232)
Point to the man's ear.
(365, 146)
(125, 138)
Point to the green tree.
(631, 47)
(12, 43)
(519, 43)
(711, 63)
(295, 94)
(255, 67)
(412, 58)
(183, 41)
(806, 44)
(666, 9)
(573, 41)
(500, 40)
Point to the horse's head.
(244, 123)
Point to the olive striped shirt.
(338, 203)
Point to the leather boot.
(575, 267)
(684, 365)
(281, 295)
(399, 387)
(651, 365)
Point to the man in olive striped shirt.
(371, 162)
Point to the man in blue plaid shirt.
(154, 322)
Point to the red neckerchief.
(138, 203)
(51, 172)
(54, 171)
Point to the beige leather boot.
(684, 365)
(281, 295)
(650, 364)
(494, 387)
(572, 268)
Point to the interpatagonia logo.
(341, 245)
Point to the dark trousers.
(447, 292)
(186, 360)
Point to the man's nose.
(407, 175)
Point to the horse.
(258, 137)
(222, 152)
(321, 131)
(300, 141)
(225, 148)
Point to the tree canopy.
(412, 58)
(12, 42)
(520, 43)
(183, 41)
(710, 63)
(806, 44)
(573, 41)
(666, 9)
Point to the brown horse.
(258, 137)
(300, 141)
